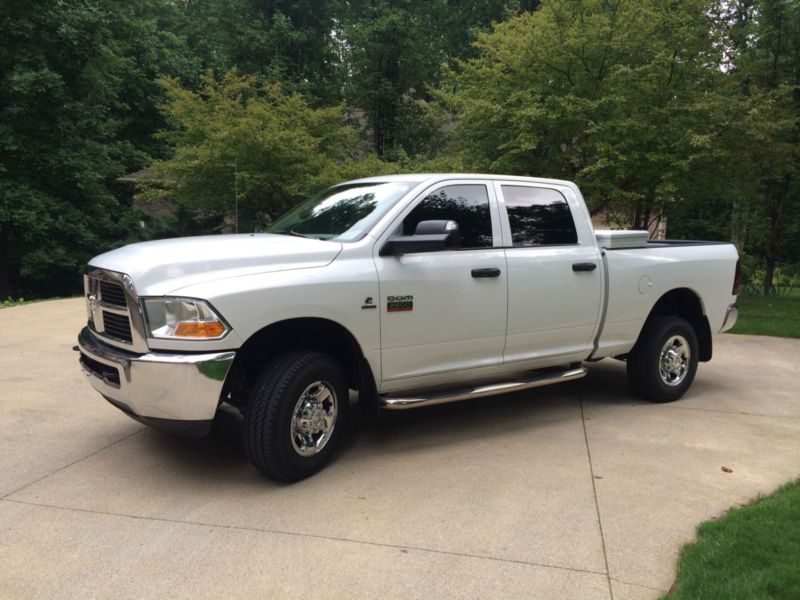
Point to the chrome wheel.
(673, 364)
(314, 418)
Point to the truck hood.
(165, 266)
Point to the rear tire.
(295, 415)
(663, 363)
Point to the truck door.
(444, 311)
(554, 281)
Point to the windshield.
(343, 212)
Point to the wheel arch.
(687, 304)
(302, 333)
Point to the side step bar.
(389, 403)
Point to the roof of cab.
(433, 177)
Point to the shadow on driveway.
(437, 427)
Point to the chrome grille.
(112, 294)
(113, 309)
(118, 326)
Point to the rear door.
(554, 281)
(445, 311)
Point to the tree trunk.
(377, 129)
(529, 5)
(739, 226)
(641, 214)
(769, 274)
(268, 10)
(774, 204)
(4, 284)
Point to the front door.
(445, 311)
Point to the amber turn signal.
(199, 329)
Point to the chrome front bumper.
(176, 392)
(730, 318)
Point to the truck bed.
(672, 243)
(637, 277)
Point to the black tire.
(271, 406)
(644, 361)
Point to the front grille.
(112, 294)
(118, 326)
(110, 317)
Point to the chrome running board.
(390, 403)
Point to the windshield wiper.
(296, 234)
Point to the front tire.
(663, 363)
(295, 415)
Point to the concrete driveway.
(578, 491)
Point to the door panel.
(436, 316)
(554, 295)
(552, 310)
(456, 321)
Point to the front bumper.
(175, 392)
(730, 318)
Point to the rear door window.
(538, 217)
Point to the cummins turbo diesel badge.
(399, 303)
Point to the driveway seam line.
(305, 535)
(732, 412)
(594, 492)
(75, 462)
(641, 585)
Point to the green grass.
(752, 552)
(9, 302)
(776, 315)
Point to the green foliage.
(148, 38)
(751, 552)
(770, 77)
(60, 144)
(275, 40)
(620, 96)
(680, 109)
(258, 145)
(758, 189)
(786, 278)
(395, 50)
(9, 302)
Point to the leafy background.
(683, 112)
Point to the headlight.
(183, 319)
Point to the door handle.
(486, 273)
(588, 266)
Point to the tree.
(287, 41)
(150, 40)
(768, 68)
(258, 146)
(620, 96)
(395, 50)
(60, 149)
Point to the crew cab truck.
(411, 290)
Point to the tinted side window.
(467, 205)
(538, 217)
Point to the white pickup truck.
(412, 290)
